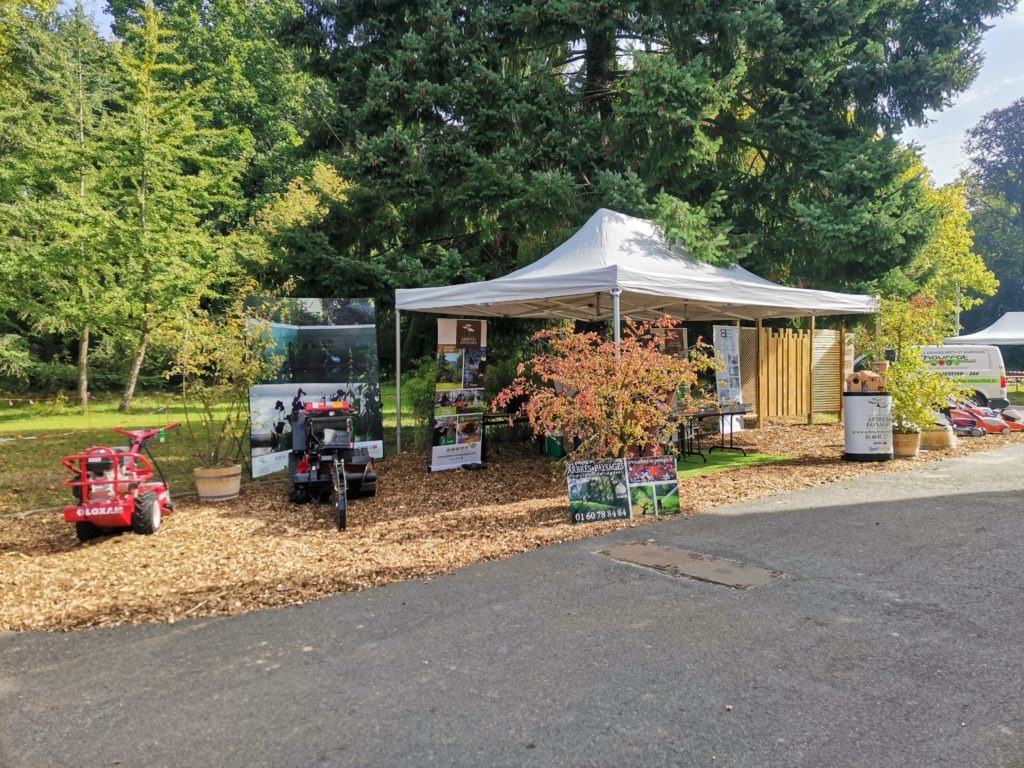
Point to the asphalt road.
(893, 640)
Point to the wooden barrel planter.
(905, 444)
(937, 439)
(218, 483)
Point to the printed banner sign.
(459, 402)
(328, 353)
(653, 486)
(728, 384)
(617, 489)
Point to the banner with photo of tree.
(618, 489)
(328, 353)
(459, 401)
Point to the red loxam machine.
(115, 489)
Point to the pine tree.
(171, 174)
(55, 215)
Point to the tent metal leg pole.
(616, 293)
(398, 380)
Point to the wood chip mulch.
(259, 551)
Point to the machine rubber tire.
(980, 399)
(1005, 431)
(146, 517)
(295, 495)
(342, 511)
(86, 531)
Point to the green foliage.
(15, 358)
(996, 191)
(173, 175)
(475, 136)
(904, 327)
(218, 358)
(55, 211)
(418, 392)
(612, 399)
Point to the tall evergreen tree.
(171, 176)
(476, 135)
(253, 83)
(55, 215)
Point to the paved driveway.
(893, 640)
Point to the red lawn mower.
(114, 488)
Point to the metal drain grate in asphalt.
(678, 562)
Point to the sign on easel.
(459, 402)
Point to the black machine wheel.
(295, 495)
(980, 399)
(146, 517)
(342, 509)
(86, 531)
(340, 495)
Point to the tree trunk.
(599, 61)
(83, 368)
(133, 379)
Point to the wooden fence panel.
(828, 371)
(792, 374)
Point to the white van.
(977, 368)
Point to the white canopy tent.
(1008, 329)
(620, 265)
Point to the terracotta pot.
(905, 444)
(937, 439)
(218, 483)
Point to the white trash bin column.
(868, 423)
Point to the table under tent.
(617, 265)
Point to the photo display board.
(728, 384)
(328, 352)
(618, 489)
(459, 401)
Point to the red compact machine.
(324, 465)
(114, 488)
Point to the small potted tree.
(218, 358)
(904, 327)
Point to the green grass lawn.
(723, 460)
(33, 438)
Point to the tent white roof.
(613, 250)
(1008, 329)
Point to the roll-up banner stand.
(459, 402)
(728, 384)
(868, 426)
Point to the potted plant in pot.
(904, 327)
(218, 358)
(917, 392)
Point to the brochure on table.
(328, 352)
(459, 402)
